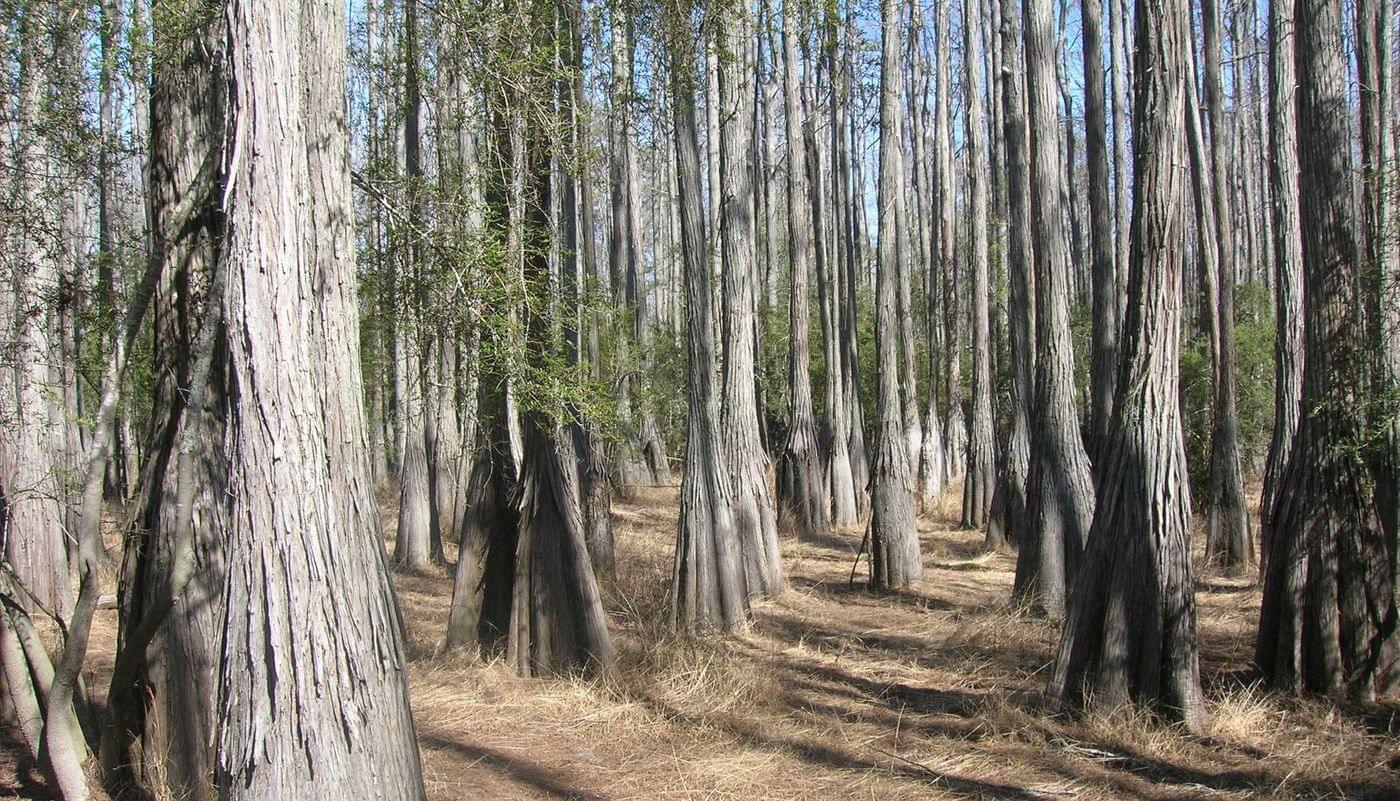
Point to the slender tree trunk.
(1130, 635)
(981, 449)
(945, 181)
(839, 479)
(803, 499)
(581, 264)
(894, 538)
(744, 455)
(1120, 90)
(159, 734)
(32, 515)
(1104, 362)
(1009, 504)
(1328, 620)
(413, 544)
(1229, 542)
(1060, 499)
(1380, 251)
(709, 588)
(1288, 260)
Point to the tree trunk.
(581, 264)
(1060, 497)
(837, 419)
(981, 449)
(709, 588)
(895, 560)
(1008, 514)
(297, 420)
(32, 515)
(1380, 251)
(1104, 362)
(1328, 620)
(1229, 543)
(159, 735)
(1288, 261)
(803, 500)
(946, 183)
(743, 453)
(413, 544)
(1130, 635)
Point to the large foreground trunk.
(305, 577)
(1130, 635)
(1328, 620)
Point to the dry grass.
(838, 693)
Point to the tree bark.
(945, 182)
(981, 448)
(1380, 251)
(1130, 635)
(1288, 260)
(1008, 514)
(1328, 620)
(895, 560)
(159, 735)
(1229, 542)
(297, 420)
(32, 514)
(743, 452)
(1060, 498)
(709, 587)
(1104, 362)
(413, 544)
(803, 499)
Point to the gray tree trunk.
(1380, 251)
(981, 447)
(159, 737)
(1229, 542)
(801, 491)
(945, 214)
(298, 421)
(1103, 270)
(1288, 261)
(895, 560)
(1327, 623)
(413, 544)
(1130, 635)
(1008, 515)
(32, 514)
(709, 587)
(1060, 498)
(743, 453)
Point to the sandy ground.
(836, 693)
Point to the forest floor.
(838, 693)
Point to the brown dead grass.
(838, 693)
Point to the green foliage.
(1254, 348)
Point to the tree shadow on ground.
(753, 734)
(526, 771)
(844, 592)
